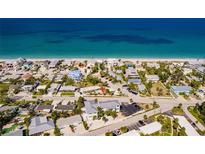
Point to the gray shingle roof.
(44, 107)
(40, 124)
(65, 107)
(62, 122)
(91, 106)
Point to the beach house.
(153, 65)
(75, 75)
(53, 63)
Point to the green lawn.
(4, 87)
(177, 110)
(196, 114)
(158, 89)
(167, 126)
(7, 130)
(67, 94)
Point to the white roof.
(152, 77)
(68, 88)
(150, 128)
(131, 71)
(131, 133)
(153, 65)
(91, 88)
(183, 122)
(53, 63)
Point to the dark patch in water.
(54, 41)
(136, 39)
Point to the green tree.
(123, 130)
(100, 112)
(54, 116)
(108, 134)
(57, 131)
(85, 124)
(114, 114)
(145, 117)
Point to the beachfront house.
(91, 106)
(27, 65)
(187, 70)
(153, 65)
(39, 125)
(53, 63)
(181, 89)
(75, 75)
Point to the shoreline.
(111, 58)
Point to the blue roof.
(179, 89)
(76, 74)
(135, 81)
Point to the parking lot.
(129, 109)
(134, 126)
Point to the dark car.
(141, 122)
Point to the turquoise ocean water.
(90, 38)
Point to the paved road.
(192, 118)
(165, 105)
(130, 120)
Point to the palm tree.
(27, 123)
